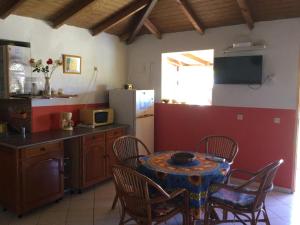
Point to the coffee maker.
(66, 121)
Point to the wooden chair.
(219, 146)
(127, 150)
(144, 201)
(246, 202)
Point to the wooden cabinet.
(38, 174)
(98, 156)
(34, 176)
(94, 159)
(41, 175)
(111, 136)
(42, 179)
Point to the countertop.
(17, 141)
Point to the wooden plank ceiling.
(129, 18)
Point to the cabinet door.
(93, 163)
(42, 180)
(111, 136)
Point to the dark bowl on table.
(183, 157)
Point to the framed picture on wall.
(71, 64)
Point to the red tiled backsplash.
(48, 117)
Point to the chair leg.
(207, 212)
(122, 217)
(186, 217)
(253, 219)
(115, 202)
(225, 214)
(266, 217)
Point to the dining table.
(195, 176)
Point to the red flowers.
(49, 61)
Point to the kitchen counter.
(17, 141)
(37, 169)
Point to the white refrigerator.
(135, 108)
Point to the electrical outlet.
(276, 120)
(240, 116)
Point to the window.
(187, 77)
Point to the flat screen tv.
(238, 70)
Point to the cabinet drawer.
(115, 133)
(41, 149)
(93, 139)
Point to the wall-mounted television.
(238, 70)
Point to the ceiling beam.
(149, 25)
(189, 13)
(141, 21)
(119, 16)
(197, 59)
(11, 6)
(152, 28)
(243, 4)
(176, 62)
(70, 11)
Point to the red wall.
(48, 117)
(260, 140)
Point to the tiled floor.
(93, 208)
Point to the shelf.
(245, 49)
(44, 97)
(54, 96)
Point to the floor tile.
(93, 207)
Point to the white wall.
(281, 58)
(103, 51)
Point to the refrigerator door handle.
(144, 116)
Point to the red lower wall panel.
(180, 127)
(48, 117)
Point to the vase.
(47, 88)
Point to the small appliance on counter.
(66, 121)
(96, 117)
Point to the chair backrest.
(265, 178)
(133, 191)
(220, 146)
(127, 149)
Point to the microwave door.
(100, 117)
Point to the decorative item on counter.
(165, 101)
(47, 70)
(53, 92)
(66, 121)
(128, 86)
(34, 89)
(60, 91)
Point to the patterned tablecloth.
(195, 177)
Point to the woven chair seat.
(233, 198)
